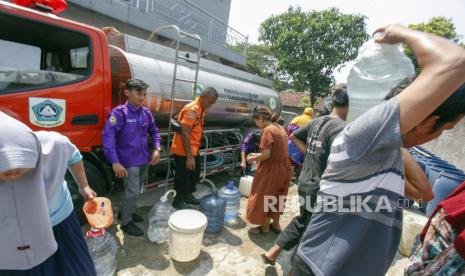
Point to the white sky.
(246, 15)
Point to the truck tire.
(96, 182)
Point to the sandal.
(276, 231)
(266, 260)
(256, 230)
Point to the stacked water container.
(101, 244)
(443, 177)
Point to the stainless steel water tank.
(238, 91)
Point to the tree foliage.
(262, 62)
(440, 26)
(309, 46)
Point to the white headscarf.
(26, 238)
(18, 145)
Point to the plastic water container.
(434, 161)
(444, 186)
(430, 164)
(98, 212)
(434, 173)
(158, 230)
(102, 248)
(232, 196)
(377, 69)
(214, 208)
(422, 166)
(187, 228)
(423, 150)
(245, 185)
(253, 166)
(412, 226)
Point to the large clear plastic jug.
(158, 230)
(232, 196)
(377, 69)
(102, 248)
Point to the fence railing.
(191, 18)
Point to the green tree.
(440, 26)
(262, 62)
(309, 46)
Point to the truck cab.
(64, 76)
(54, 75)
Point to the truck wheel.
(96, 182)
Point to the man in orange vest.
(186, 144)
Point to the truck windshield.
(35, 55)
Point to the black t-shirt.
(319, 134)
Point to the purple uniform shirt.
(125, 135)
(249, 145)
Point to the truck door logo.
(47, 113)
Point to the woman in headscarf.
(271, 181)
(296, 156)
(40, 232)
(302, 120)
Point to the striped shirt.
(319, 135)
(357, 225)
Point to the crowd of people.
(368, 161)
(365, 159)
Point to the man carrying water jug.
(315, 140)
(357, 226)
(186, 145)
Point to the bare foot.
(258, 230)
(275, 227)
(273, 253)
(267, 260)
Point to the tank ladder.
(180, 35)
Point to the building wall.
(450, 146)
(295, 109)
(219, 8)
(135, 20)
(286, 113)
(90, 17)
(207, 18)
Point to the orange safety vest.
(191, 115)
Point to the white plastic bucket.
(186, 233)
(245, 185)
(412, 226)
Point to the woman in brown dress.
(271, 181)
